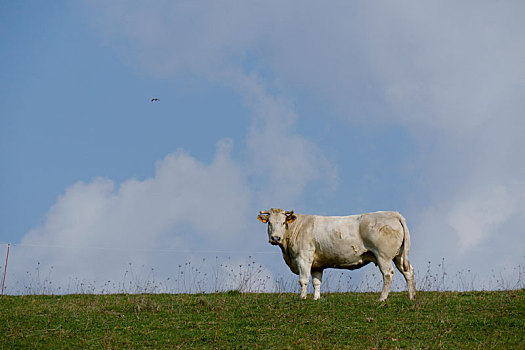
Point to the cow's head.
(278, 221)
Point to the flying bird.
(154, 100)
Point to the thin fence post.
(5, 267)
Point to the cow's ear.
(262, 218)
(290, 218)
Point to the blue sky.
(329, 110)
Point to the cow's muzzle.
(274, 240)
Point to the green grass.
(450, 320)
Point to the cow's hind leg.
(409, 277)
(385, 265)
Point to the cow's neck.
(287, 254)
(286, 245)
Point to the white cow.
(312, 243)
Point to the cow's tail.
(405, 246)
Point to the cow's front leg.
(317, 277)
(305, 265)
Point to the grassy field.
(469, 320)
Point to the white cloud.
(478, 213)
(478, 231)
(209, 198)
(284, 160)
(186, 205)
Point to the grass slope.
(233, 320)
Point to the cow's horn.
(288, 213)
(264, 212)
